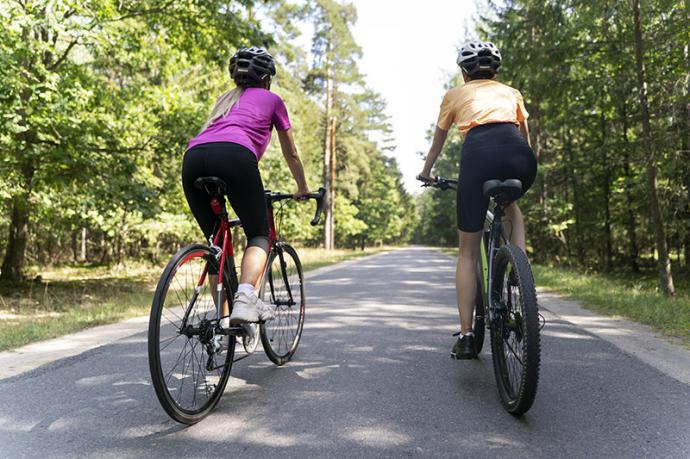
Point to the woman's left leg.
(514, 225)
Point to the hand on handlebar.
(301, 195)
(426, 178)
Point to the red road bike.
(190, 353)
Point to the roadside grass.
(69, 299)
(621, 294)
(636, 297)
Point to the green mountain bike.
(506, 302)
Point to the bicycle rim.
(283, 289)
(515, 341)
(189, 373)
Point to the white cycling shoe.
(247, 308)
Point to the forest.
(98, 99)
(607, 86)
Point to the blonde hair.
(225, 102)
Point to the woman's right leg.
(465, 281)
(253, 262)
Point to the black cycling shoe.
(464, 348)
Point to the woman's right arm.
(436, 147)
(287, 145)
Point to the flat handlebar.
(441, 183)
(318, 197)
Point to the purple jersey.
(249, 122)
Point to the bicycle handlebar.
(441, 183)
(318, 197)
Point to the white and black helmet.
(250, 66)
(479, 57)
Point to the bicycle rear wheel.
(283, 288)
(188, 368)
(515, 341)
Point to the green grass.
(633, 296)
(70, 299)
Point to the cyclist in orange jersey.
(492, 120)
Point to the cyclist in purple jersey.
(229, 146)
(249, 122)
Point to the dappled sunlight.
(379, 436)
(98, 380)
(565, 335)
(10, 425)
(373, 365)
(311, 373)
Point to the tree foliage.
(574, 61)
(97, 101)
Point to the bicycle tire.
(479, 321)
(516, 318)
(191, 259)
(283, 263)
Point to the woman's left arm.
(287, 145)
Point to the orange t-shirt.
(480, 102)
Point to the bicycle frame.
(227, 249)
(492, 239)
(496, 237)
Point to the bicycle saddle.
(211, 185)
(503, 191)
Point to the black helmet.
(250, 66)
(479, 59)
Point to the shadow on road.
(372, 377)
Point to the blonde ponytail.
(225, 102)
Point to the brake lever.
(319, 206)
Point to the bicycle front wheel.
(283, 289)
(515, 341)
(189, 368)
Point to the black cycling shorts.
(238, 168)
(490, 151)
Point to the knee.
(469, 252)
(260, 242)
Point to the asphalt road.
(372, 378)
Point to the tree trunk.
(632, 223)
(579, 247)
(74, 246)
(664, 263)
(13, 263)
(82, 255)
(328, 226)
(121, 237)
(607, 195)
(686, 159)
(333, 165)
